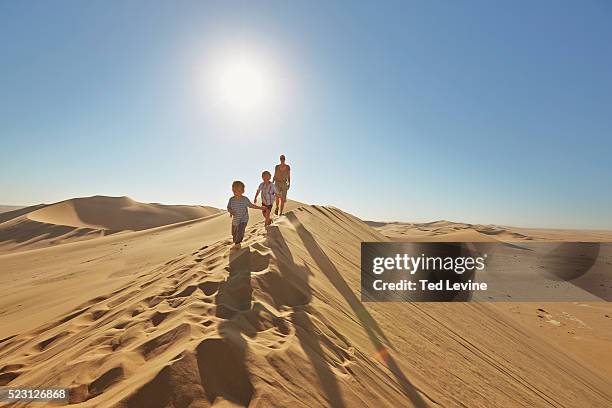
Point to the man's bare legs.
(282, 178)
(277, 205)
(282, 201)
(280, 206)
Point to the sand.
(85, 218)
(448, 231)
(6, 208)
(170, 316)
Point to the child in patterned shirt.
(238, 207)
(268, 194)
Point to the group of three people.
(271, 192)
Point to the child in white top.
(268, 194)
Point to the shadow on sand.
(305, 327)
(222, 361)
(301, 318)
(305, 330)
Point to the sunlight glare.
(244, 85)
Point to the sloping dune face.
(89, 217)
(279, 323)
(7, 208)
(116, 213)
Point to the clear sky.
(490, 112)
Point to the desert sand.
(143, 305)
(448, 231)
(84, 218)
(6, 208)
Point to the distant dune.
(170, 316)
(84, 218)
(449, 231)
(5, 208)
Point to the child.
(238, 207)
(268, 193)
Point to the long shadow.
(305, 329)
(372, 329)
(222, 361)
(235, 293)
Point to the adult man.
(282, 180)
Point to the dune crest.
(89, 217)
(116, 213)
(7, 208)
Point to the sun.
(247, 89)
(243, 84)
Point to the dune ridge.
(448, 231)
(182, 320)
(85, 218)
(6, 208)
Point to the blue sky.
(484, 112)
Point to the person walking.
(282, 181)
(268, 193)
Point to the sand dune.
(84, 218)
(170, 316)
(448, 231)
(17, 212)
(6, 208)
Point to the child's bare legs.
(238, 232)
(267, 212)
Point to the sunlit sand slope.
(172, 317)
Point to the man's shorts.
(281, 189)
